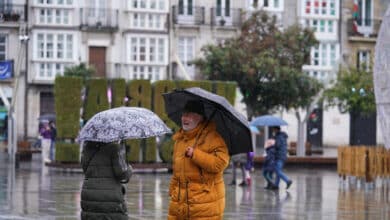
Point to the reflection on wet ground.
(31, 192)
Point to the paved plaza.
(33, 192)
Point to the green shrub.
(67, 152)
(140, 93)
(67, 91)
(150, 150)
(96, 98)
(166, 150)
(118, 88)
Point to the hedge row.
(141, 93)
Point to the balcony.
(12, 13)
(188, 15)
(225, 17)
(99, 20)
(363, 29)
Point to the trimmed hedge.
(67, 91)
(118, 89)
(96, 99)
(67, 152)
(141, 93)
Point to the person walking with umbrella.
(280, 156)
(104, 158)
(200, 155)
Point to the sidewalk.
(37, 192)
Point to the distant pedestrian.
(239, 161)
(269, 164)
(45, 132)
(281, 156)
(105, 169)
(53, 140)
(249, 166)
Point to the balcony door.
(223, 12)
(97, 59)
(186, 50)
(186, 11)
(96, 12)
(365, 20)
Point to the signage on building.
(6, 69)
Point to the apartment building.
(196, 23)
(120, 39)
(13, 47)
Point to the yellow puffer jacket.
(197, 189)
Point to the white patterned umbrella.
(123, 123)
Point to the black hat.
(195, 106)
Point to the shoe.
(289, 184)
(274, 187)
(243, 183)
(248, 180)
(232, 183)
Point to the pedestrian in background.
(53, 131)
(269, 164)
(239, 161)
(281, 156)
(106, 170)
(45, 132)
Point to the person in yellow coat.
(200, 155)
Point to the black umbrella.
(232, 125)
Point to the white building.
(120, 39)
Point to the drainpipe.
(26, 86)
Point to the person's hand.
(189, 152)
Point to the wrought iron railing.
(99, 19)
(12, 13)
(226, 17)
(363, 27)
(188, 15)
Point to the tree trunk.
(301, 137)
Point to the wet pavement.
(33, 192)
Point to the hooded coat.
(197, 189)
(281, 145)
(105, 169)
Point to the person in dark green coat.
(105, 169)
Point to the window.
(324, 55)
(316, 56)
(55, 2)
(3, 48)
(319, 7)
(54, 16)
(363, 60)
(54, 46)
(147, 49)
(147, 4)
(321, 26)
(186, 52)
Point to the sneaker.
(289, 184)
(274, 187)
(243, 183)
(232, 183)
(248, 180)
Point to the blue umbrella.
(254, 129)
(268, 120)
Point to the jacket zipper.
(188, 206)
(178, 196)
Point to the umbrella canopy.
(122, 123)
(231, 125)
(47, 117)
(268, 120)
